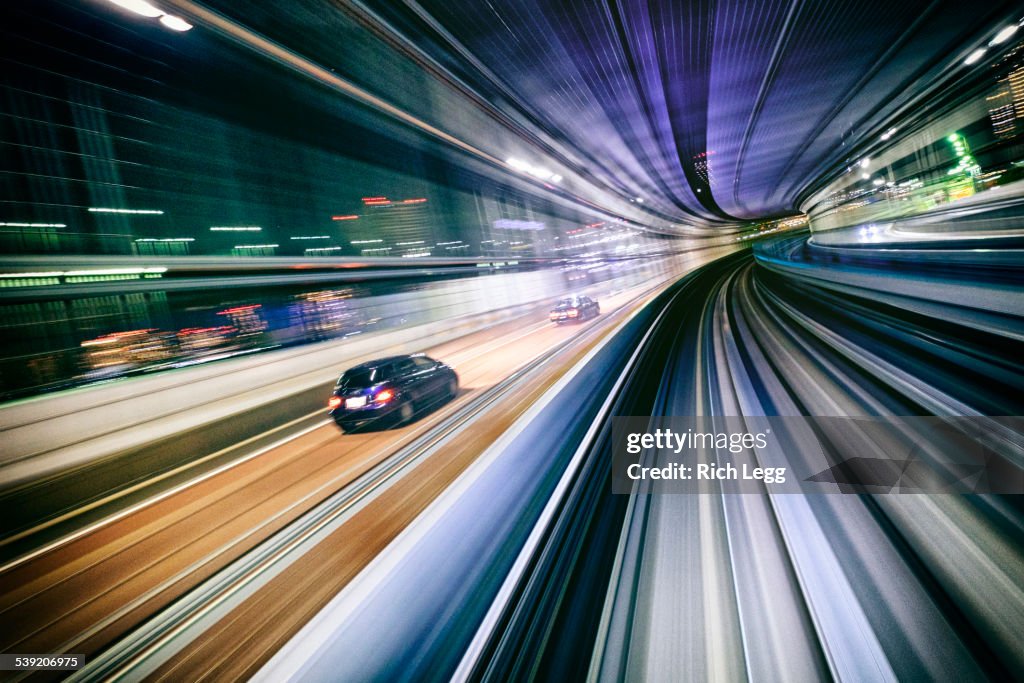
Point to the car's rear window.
(355, 379)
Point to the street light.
(139, 7)
(175, 23)
(975, 56)
(143, 8)
(1004, 35)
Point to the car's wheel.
(405, 412)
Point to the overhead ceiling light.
(139, 7)
(865, 162)
(147, 10)
(175, 23)
(975, 56)
(1004, 34)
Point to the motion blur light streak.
(975, 56)
(1004, 35)
(147, 10)
(324, 325)
(154, 212)
(139, 7)
(175, 23)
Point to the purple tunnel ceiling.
(708, 110)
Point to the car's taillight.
(553, 315)
(384, 396)
(573, 313)
(333, 402)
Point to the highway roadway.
(89, 587)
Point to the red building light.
(239, 309)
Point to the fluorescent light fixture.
(975, 56)
(102, 209)
(139, 7)
(55, 273)
(255, 246)
(235, 228)
(1004, 34)
(155, 270)
(865, 162)
(175, 23)
(33, 225)
(145, 9)
(116, 271)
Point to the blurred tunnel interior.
(643, 340)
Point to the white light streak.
(175, 23)
(140, 7)
(1004, 34)
(103, 209)
(975, 56)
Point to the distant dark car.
(574, 308)
(389, 390)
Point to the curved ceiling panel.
(709, 110)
